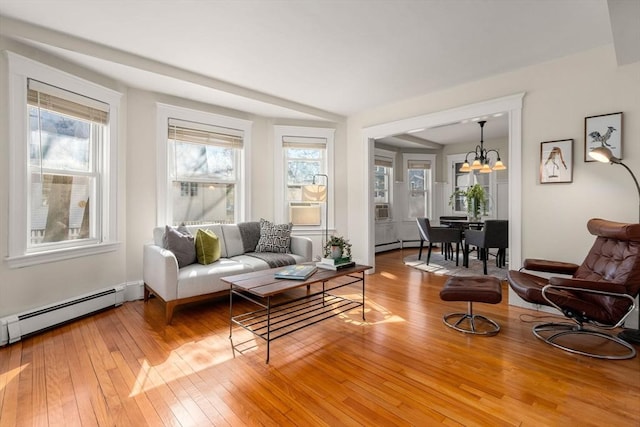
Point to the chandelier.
(481, 159)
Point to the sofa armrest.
(302, 246)
(160, 271)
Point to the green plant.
(339, 242)
(476, 200)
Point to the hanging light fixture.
(481, 159)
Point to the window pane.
(417, 204)
(417, 179)
(301, 172)
(303, 153)
(381, 184)
(203, 203)
(203, 161)
(60, 208)
(59, 141)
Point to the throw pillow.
(181, 243)
(207, 246)
(274, 237)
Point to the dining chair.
(442, 235)
(494, 234)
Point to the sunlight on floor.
(6, 378)
(185, 360)
(371, 308)
(389, 275)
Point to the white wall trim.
(306, 132)
(511, 104)
(19, 70)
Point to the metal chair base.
(467, 323)
(551, 332)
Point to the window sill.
(27, 260)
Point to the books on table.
(335, 264)
(296, 272)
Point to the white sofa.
(196, 282)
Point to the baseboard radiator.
(15, 327)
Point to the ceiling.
(313, 59)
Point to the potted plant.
(476, 200)
(337, 247)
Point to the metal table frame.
(275, 320)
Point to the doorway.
(510, 105)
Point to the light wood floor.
(401, 367)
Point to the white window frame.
(406, 158)
(280, 182)
(164, 211)
(19, 70)
(387, 156)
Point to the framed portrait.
(603, 131)
(556, 161)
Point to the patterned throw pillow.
(207, 246)
(274, 237)
(181, 243)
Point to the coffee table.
(278, 315)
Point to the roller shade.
(58, 100)
(418, 164)
(304, 142)
(200, 133)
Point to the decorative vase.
(336, 252)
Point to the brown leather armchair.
(600, 292)
(444, 235)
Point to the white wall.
(559, 95)
(34, 286)
(30, 287)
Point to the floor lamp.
(319, 193)
(603, 154)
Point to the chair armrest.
(474, 237)
(302, 246)
(550, 266)
(160, 271)
(586, 285)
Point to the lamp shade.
(465, 167)
(314, 193)
(476, 164)
(499, 166)
(485, 169)
(604, 155)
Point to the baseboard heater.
(15, 327)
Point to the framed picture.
(603, 131)
(556, 161)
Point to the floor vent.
(15, 327)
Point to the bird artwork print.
(554, 155)
(602, 139)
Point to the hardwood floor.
(401, 367)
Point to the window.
(461, 181)
(62, 179)
(305, 154)
(204, 172)
(203, 167)
(419, 180)
(382, 177)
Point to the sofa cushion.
(207, 246)
(250, 233)
(274, 237)
(232, 240)
(181, 243)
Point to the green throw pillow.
(207, 246)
